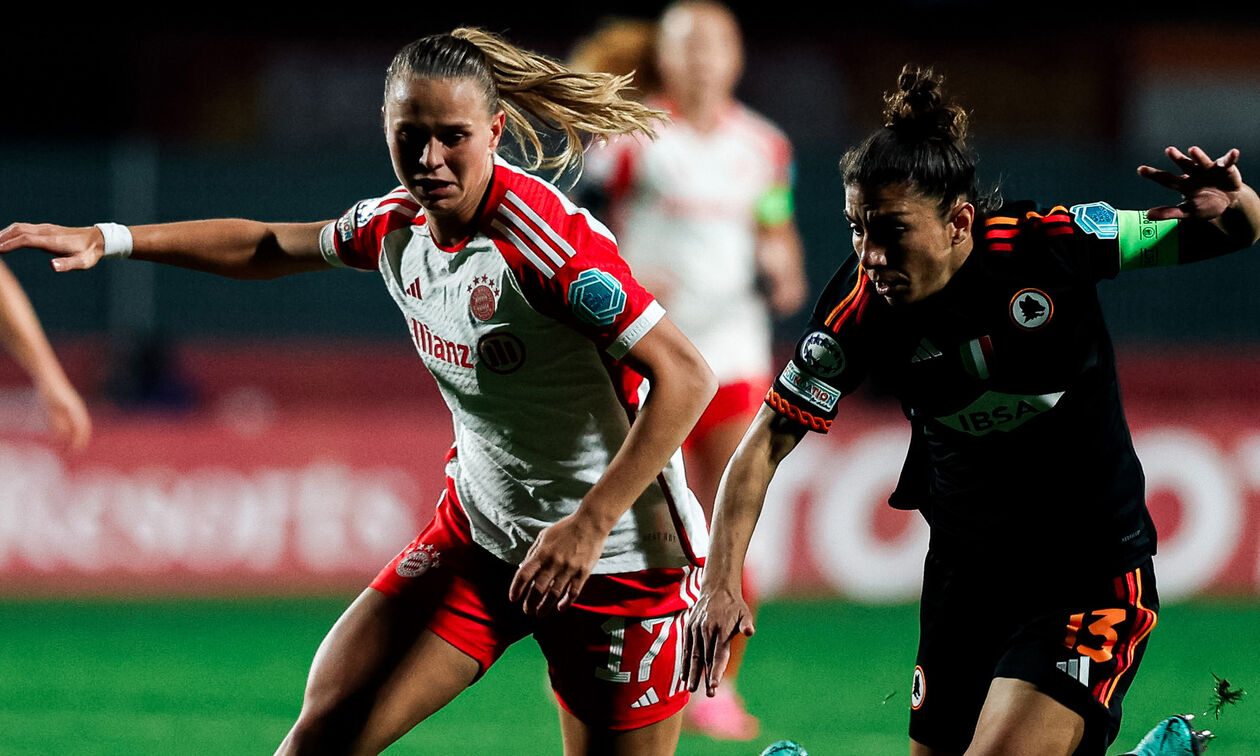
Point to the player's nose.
(871, 255)
(431, 156)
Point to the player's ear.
(961, 219)
(497, 123)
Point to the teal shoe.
(1173, 737)
(784, 748)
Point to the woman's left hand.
(67, 415)
(1208, 187)
(558, 564)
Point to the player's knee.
(313, 736)
(326, 727)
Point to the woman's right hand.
(72, 248)
(718, 615)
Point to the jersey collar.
(494, 196)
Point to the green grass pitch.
(225, 677)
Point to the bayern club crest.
(419, 561)
(483, 298)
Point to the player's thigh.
(659, 739)
(370, 650)
(434, 619)
(441, 575)
(1020, 720)
(429, 676)
(363, 691)
(359, 651)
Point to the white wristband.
(117, 239)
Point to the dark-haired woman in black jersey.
(983, 319)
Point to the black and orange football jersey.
(1019, 442)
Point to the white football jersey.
(523, 326)
(686, 210)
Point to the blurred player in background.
(23, 337)
(565, 515)
(984, 320)
(704, 216)
(621, 47)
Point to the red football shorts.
(732, 401)
(614, 658)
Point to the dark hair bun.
(918, 109)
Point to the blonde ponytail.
(533, 90)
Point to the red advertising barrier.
(306, 469)
(200, 503)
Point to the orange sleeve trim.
(784, 407)
(849, 300)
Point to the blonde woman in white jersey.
(565, 514)
(704, 217)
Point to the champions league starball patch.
(822, 355)
(596, 297)
(356, 217)
(1097, 218)
(364, 211)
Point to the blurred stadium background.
(262, 448)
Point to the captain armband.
(1146, 243)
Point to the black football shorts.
(1080, 641)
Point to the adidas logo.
(647, 699)
(926, 351)
(1078, 669)
(414, 289)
